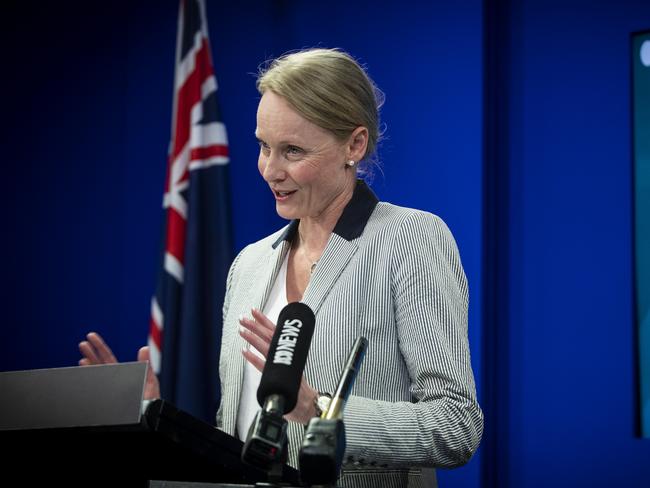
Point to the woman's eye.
(293, 150)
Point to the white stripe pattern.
(206, 163)
(208, 135)
(174, 267)
(154, 355)
(158, 320)
(209, 86)
(156, 314)
(185, 67)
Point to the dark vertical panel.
(640, 143)
(496, 243)
(63, 87)
(149, 56)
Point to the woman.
(366, 268)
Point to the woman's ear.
(358, 144)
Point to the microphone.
(323, 447)
(277, 394)
(287, 355)
(349, 374)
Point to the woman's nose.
(272, 167)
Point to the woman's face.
(304, 165)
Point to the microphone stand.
(323, 446)
(266, 442)
(321, 454)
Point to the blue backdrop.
(86, 124)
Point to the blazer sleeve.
(443, 423)
(226, 304)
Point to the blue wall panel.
(572, 380)
(63, 145)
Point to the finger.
(143, 354)
(254, 340)
(263, 320)
(254, 359)
(101, 348)
(145, 357)
(262, 327)
(152, 387)
(256, 328)
(88, 353)
(84, 362)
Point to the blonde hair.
(330, 89)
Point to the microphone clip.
(266, 443)
(322, 451)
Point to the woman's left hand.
(258, 333)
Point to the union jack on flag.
(185, 326)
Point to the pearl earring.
(351, 163)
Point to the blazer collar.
(351, 222)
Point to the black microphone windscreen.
(287, 355)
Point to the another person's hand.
(258, 333)
(95, 351)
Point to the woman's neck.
(314, 232)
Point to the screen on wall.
(641, 154)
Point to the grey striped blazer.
(393, 275)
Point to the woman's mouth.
(283, 195)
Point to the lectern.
(88, 426)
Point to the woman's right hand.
(95, 351)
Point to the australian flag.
(185, 328)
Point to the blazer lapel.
(268, 272)
(263, 282)
(333, 261)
